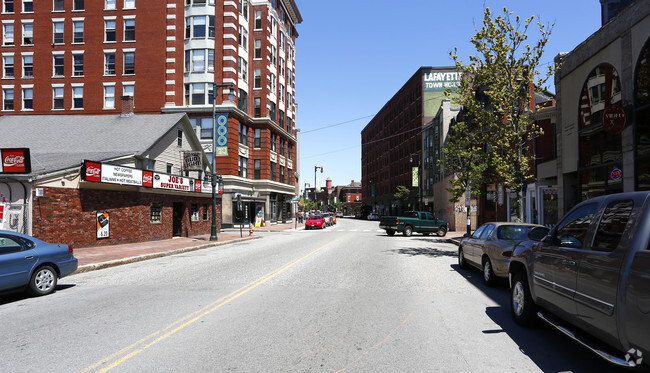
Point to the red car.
(315, 221)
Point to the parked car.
(590, 277)
(339, 214)
(373, 216)
(27, 262)
(413, 221)
(333, 215)
(315, 221)
(328, 218)
(491, 245)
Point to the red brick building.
(79, 57)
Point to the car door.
(558, 257)
(472, 248)
(600, 269)
(430, 223)
(16, 262)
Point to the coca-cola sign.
(92, 171)
(15, 161)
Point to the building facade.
(392, 142)
(80, 57)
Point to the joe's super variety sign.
(107, 173)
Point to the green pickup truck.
(413, 221)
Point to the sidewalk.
(93, 258)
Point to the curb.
(140, 258)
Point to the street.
(346, 298)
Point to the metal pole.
(316, 168)
(213, 231)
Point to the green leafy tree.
(498, 84)
(403, 196)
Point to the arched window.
(642, 118)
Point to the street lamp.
(321, 171)
(231, 95)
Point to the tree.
(403, 196)
(497, 88)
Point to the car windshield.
(513, 232)
(315, 217)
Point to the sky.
(352, 56)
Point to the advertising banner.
(121, 175)
(434, 84)
(415, 177)
(222, 135)
(163, 181)
(15, 161)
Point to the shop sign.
(121, 175)
(15, 161)
(614, 119)
(616, 174)
(2, 215)
(162, 181)
(192, 161)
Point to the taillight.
(397, 221)
(70, 249)
(507, 254)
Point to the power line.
(337, 124)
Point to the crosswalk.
(344, 230)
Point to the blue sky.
(352, 56)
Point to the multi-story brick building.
(79, 57)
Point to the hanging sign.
(192, 161)
(15, 161)
(222, 135)
(415, 177)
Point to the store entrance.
(177, 219)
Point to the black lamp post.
(213, 176)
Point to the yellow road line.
(178, 325)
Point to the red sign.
(15, 161)
(197, 186)
(614, 119)
(93, 171)
(147, 179)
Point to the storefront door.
(177, 219)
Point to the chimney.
(127, 106)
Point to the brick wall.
(69, 216)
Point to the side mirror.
(538, 233)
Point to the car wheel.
(489, 278)
(408, 231)
(521, 302)
(390, 232)
(442, 231)
(462, 263)
(43, 281)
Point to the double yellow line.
(128, 352)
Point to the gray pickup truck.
(590, 277)
(413, 221)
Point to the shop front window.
(642, 115)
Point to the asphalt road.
(347, 298)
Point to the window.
(572, 230)
(289, 77)
(272, 111)
(156, 213)
(273, 83)
(129, 63)
(128, 89)
(198, 29)
(242, 101)
(195, 212)
(243, 37)
(110, 5)
(77, 97)
(281, 174)
(28, 6)
(7, 99)
(211, 26)
(28, 33)
(109, 30)
(207, 125)
(257, 139)
(179, 138)
(274, 54)
(289, 151)
(257, 107)
(210, 60)
(198, 60)
(129, 30)
(273, 170)
(58, 6)
(243, 134)
(243, 69)
(59, 69)
(78, 4)
(257, 169)
(281, 66)
(28, 66)
(282, 145)
(612, 225)
(109, 63)
(58, 33)
(28, 99)
(170, 168)
(257, 78)
(243, 8)
(205, 211)
(243, 167)
(8, 63)
(274, 142)
(8, 6)
(7, 34)
(257, 49)
(109, 97)
(78, 64)
(129, 4)
(197, 94)
(258, 20)
(57, 94)
(78, 31)
(281, 93)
